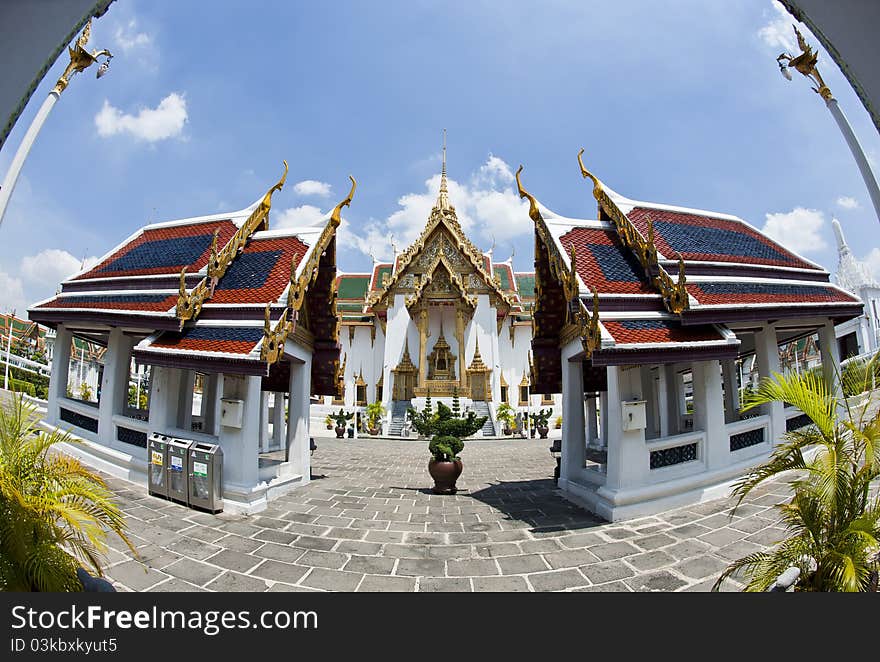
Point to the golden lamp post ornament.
(80, 60)
(805, 63)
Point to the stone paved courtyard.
(368, 522)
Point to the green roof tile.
(525, 283)
(353, 286)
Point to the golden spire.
(443, 198)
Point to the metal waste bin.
(157, 476)
(205, 472)
(178, 483)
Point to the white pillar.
(603, 418)
(58, 377)
(241, 445)
(731, 392)
(574, 444)
(298, 448)
(114, 384)
(21, 153)
(647, 378)
(830, 354)
(767, 358)
(264, 422)
(666, 401)
(709, 412)
(163, 398)
(278, 435)
(592, 427)
(628, 460)
(185, 399)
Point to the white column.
(21, 153)
(592, 427)
(574, 443)
(709, 412)
(210, 405)
(59, 375)
(647, 377)
(666, 400)
(603, 418)
(767, 358)
(830, 354)
(185, 399)
(278, 435)
(298, 449)
(114, 384)
(241, 445)
(264, 421)
(731, 392)
(628, 461)
(163, 398)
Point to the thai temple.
(633, 327)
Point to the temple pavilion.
(234, 320)
(643, 300)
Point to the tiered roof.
(657, 283)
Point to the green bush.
(21, 386)
(445, 448)
(443, 426)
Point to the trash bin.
(157, 476)
(205, 473)
(178, 483)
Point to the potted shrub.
(375, 412)
(445, 431)
(539, 422)
(507, 417)
(559, 422)
(328, 422)
(341, 419)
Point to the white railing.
(748, 425)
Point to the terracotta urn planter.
(340, 431)
(543, 430)
(444, 473)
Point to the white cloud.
(51, 266)
(128, 38)
(297, 217)
(150, 124)
(487, 205)
(312, 187)
(798, 230)
(12, 294)
(778, 32)
(847, 202)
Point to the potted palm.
(375, 412)
(328, 422)
(832, 517)
(340, 420)
(539, 422)
(506, 415)
(445, 431)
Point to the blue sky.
(678, 102)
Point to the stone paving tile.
(135, 576)
(570, 558)
(318, 559)
(444, 585)
(722, 537)
(332, 580)
(656, 581)
(421, 568)
(767, 537)
(510, 584)
(701, 567)
(450, 551)
(650, 560)
(175, 585)
(381, 583)
(540, 546)
(579, 540)
(279, 572)
(614, 550)
(471, 568)
(232, 560)
(234, 581)
(610, 587)
(600, 573)
(239, 544)
(557, 580)
(738, 550)
(279, 552)
(687, 548)
(367, 565)
(654, 541)
(308, 542)
(194, 572)
(519, 565)
(271, 535)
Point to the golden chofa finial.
(597, 185)
(266, 203)
(534, 214)
(335, 217)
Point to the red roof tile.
(738, 293)
(136, 302)
(627, 332)
(261, 272)
(604, 263)
(230, 340)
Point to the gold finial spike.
(597, 186)
(534, 214)
(266, 203)
(443, 198)
(335, 217)
(267, 326)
